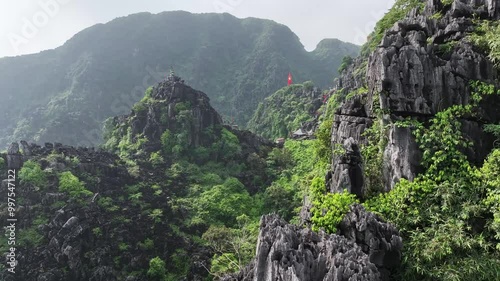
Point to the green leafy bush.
(97, 231)
(30, 238)
(280, 198)
(223, 264)
(487, 37)
(346, 62)
(329, 208)
(156, 215)
(32, 173)
(490, 173)
(148, 244)
(224, 203)
(227, 147)
(70, 184)
(167, 141)
(157, 270)
(156, 159)
(234, 247)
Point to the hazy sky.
(30, 26)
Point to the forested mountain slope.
(64, 94)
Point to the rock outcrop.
(162, 111)
(365, 249)
(423, 65)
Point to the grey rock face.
(413, 74)
(285, 252)
(347, 171)
(379, 240)
(14, 157)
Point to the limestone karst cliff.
(423, 65)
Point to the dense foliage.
(32, 173)
(445, 214)
(286, 110)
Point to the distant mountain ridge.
(65, 94)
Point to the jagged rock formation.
(365, 249)
(380, 241)
(153, 118)
(422, 66)
(70, 251)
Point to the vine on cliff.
(373, 152)
(444, 214)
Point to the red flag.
(290, 81)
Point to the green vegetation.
(233, 247)
(97, 231)
(156, 159)
(184, 192)
(487, 37)
(373, 156)
(70, 184)
(446, 48)
(285, 111)
(32, 173)
(449, 215)
(328, 208)
(157, 270)
(224, 203)
(148, 244)
(346, 62)
(441, 213)
(30, 237)
(493, 129)
(356, 92)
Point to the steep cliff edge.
(423, 65)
